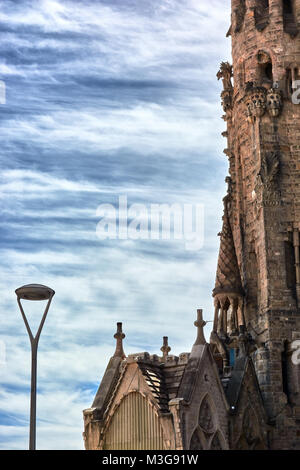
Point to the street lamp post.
(34, 292)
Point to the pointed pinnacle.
(119, 335)
(200, 323)
(165, 347)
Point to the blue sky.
(104, 98)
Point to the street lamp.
(34, 292)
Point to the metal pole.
(32, 430)
(34, 341)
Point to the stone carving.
(226, 97)
(274, 102)
(266, 187)
(229, 196)
(225, 73)
(263, 57)
(229, 182)
(256, 101)
(269, 169)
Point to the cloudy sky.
(104, 98)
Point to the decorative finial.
(165, 347)
(119, 337)
(200, 323)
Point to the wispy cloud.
(103, 99)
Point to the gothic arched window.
(207, 436)
(206, 420)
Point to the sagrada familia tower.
(242, 389)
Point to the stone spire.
(228, 291)
(228, 279)
(165, 348)
(200, 323)
(119, 335)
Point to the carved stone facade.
(242, 390)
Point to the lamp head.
(34, 292)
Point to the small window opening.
(261, 14)
(265, 67)
(266, 73)
(285, 373)
(269, 71)
(288, 7)
(232, 356)
(290, 266)
(289, 20)
(240, 12)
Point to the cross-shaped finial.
(165, 347)
(200, 323)
(119, 337)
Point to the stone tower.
(257, 289)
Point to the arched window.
(134, 425)
(207, 436)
